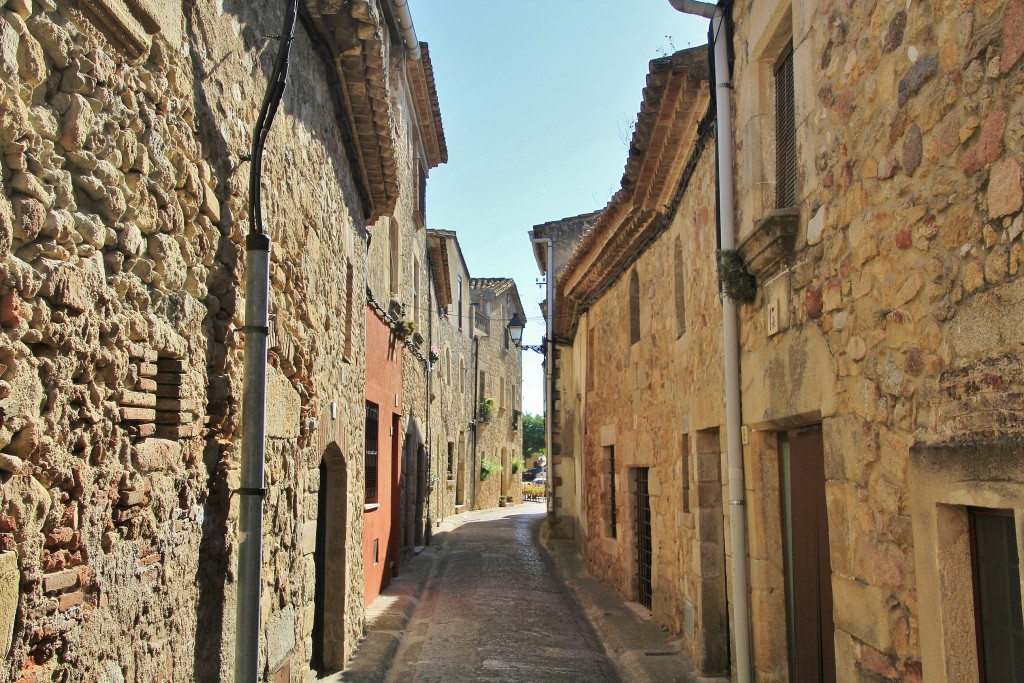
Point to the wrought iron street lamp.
(515, 333)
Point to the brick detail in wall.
(157, 406)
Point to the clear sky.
(538, 99)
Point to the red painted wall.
(383, 385)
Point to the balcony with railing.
(481, 323)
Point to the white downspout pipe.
(730, 338)
(549, 366)
(404, 20)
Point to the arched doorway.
(329, 560)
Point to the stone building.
(475, 360)
(451, 394)
(886, 235)
(125, 130)
(637, 454)
(877, 165)
(498, 371)
(564, 486)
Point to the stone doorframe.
(945, 480)
(335, 557)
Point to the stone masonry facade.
(125, 130)
(499, 436)
(884, 326)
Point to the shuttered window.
(372, 446)
(785, 133)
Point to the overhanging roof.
(674, 102)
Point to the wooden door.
(810, 572)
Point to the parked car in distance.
(541, 479)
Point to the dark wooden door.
(811, 601)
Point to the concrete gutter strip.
(638, 648)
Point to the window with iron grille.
(684, 459)
(613, 527)
(460, 301)
(590, 359)
(642, 529)
(680, 287)
(422, 194)
(451, 460)
(372, 446)
(634, 308)
(349, 309)
(785, 133)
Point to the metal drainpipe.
(254, 379)
(549, 370)
(719, 35)
(406, 28)
(429, 373)
(475, 474)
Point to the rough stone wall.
(497, 439)
(122, 220)
(567, 438)
(642, 399)
(452, 406)
(897, 298)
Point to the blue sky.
(538, 98)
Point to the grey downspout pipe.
(549, 369)
(406, 28)
(254, 379)
(730, 340)
(475, 474)
(429, 373)
(254, 399)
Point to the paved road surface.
(494, 611)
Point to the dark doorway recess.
(808, 571)
(320, 562)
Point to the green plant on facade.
(487, 466)
(517, 463)
(404, 328)
(738, 283)
(486, 409)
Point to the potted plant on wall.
(486, 409)
(488, 465)
(404, 328)
(434, 355)
(517, 464)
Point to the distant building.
(499, 436)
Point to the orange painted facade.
(380, 513)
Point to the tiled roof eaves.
(498, 286)
(437, 248)
(424, 91)
(674, 100)
(358, 42)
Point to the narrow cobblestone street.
(494, 611)
(489, 600)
